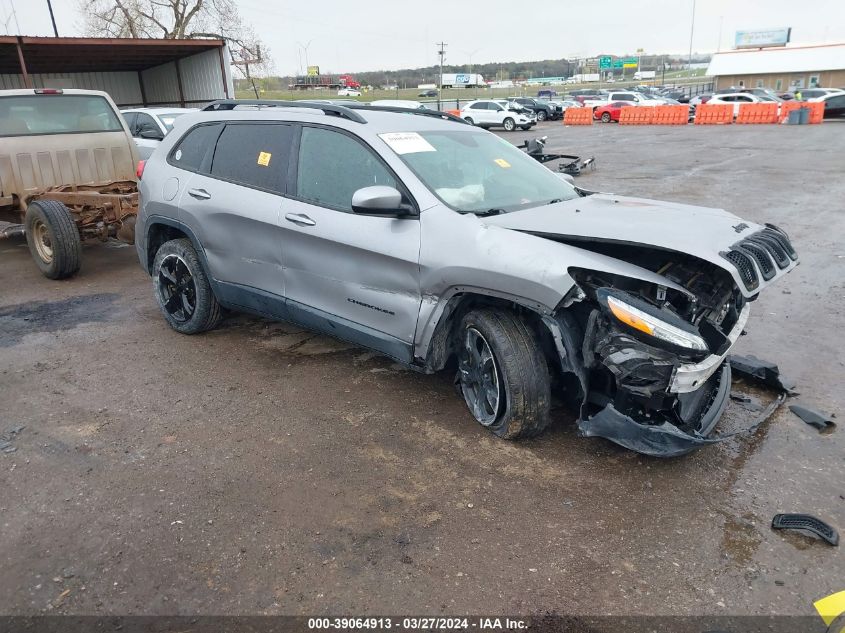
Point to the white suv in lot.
(488, 113)
(736, 99)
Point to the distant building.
(781, 69)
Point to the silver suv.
(441, 245)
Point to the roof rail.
(327, 108)
(419, 111)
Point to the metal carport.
(135, 72)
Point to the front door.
(352, 275)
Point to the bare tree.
(178, 19)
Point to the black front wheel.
(542, 116)
(503, 374)
(182, 289)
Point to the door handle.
(300, 218)
(199, 194)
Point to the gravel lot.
(260, 469)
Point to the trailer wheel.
(53, 239)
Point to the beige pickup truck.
(67, 173)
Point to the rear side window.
(27, 115)
(253, 154)
(194, 147)
(333, 166)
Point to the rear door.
(233, 203)
(352, 275)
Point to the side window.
(478, 106)
(626, 97)
(836, 102)
(253, 154)
(130, 118)
(192, 149)
(332, 166)
(145, 122)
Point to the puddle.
(53, 316)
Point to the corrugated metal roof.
(778, 60)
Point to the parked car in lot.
(67, 173)
(736, 99)
(563, 104)
(814, 93)
(149, 126)
(610, 112)
(348, 92)
(542, 109)
(700, 98)
(834, 105)
(444, 247)
(428, 93)
(401, 103)
(489, 113)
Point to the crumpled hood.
(699, 231)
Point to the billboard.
(313, 71)
(760, 39)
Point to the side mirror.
(379, 200)
(150, 134)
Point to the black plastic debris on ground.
(7, 439)
(762, 371)
(812, 417)
(806, 523)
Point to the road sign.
(605, 62)
(629, 62)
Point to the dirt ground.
(260, 469)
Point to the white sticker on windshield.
(407, 142)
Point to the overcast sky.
(358, 35)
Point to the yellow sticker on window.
(501, 162)
(264, 158)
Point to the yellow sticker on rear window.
(264, 158)
(501, 162)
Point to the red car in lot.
(610, 112)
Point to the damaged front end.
(650, 361)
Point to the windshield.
(25, 115)
(477, 172)
(169, 118)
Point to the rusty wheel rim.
(42, 241)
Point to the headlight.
(651, 324)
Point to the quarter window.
(332, 166)
(194, 146)
(253, 154)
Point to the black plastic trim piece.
(806, 522)
(327, 108)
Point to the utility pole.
(691, 31)
(52, 18)
(442, 53)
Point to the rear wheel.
(503, 374)
(181, 287)
(605, 117)
(508, 124)
(53, 239)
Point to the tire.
(542, 116)
(515, 367)
(509, 124)
(605, 117)
(469, 120)
(180, 281)
(525, 127)
(53, 239)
